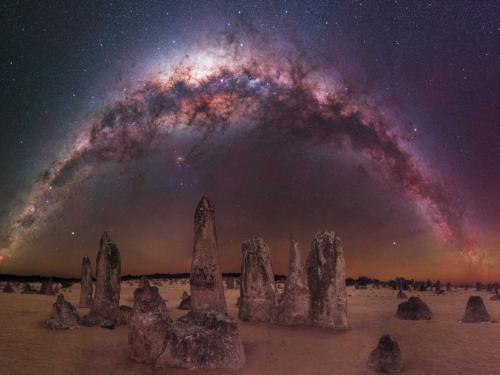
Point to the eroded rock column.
(325, 269)
(258, 297)
(207, 289)
(294, 307)
(149, 325)
(105, 308)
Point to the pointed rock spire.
(105, 308)
(63, 315)
(294, 307)
(207, 289)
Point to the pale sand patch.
(440, 346)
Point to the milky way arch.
(212, 92)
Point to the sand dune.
(442, 345)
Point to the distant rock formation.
(386, 357)
(414, 309)
(495, 296)
(294, 306)
(63, 315)
(325, 269)
(46, 287)
(185, 302)
(203, 339)
(402, 295)
(8, 288)
(258, 297)
(207, 289)
(27, 289)
(86, 283)
(476, 312)
(149, 325)
(105, 308)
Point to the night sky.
(379, 119)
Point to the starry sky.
(379, 120)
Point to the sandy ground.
(440, 346)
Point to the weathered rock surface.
(185, 302)
(105, 308)
(230, 282)
(63, 315)
(258, 296)
(414, 309)
(476, 312)
(325, 269)
(125, 314)
(402, 295)
(294, 306)
(86, 283)
(149, 325)
(207, 289)
(203, 339)
(8, 288)
(386, 357)
(46, 287)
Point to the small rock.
(63, 315)
(402, 295)
(386, 357)
(476, 312)
(414, 309)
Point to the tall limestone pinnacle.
(325, 269)
(108, 275)
(86, 283)
(258, 296)
(294, 307)
(207, 290)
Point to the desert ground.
(442, 345)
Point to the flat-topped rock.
(148, 325)
(204, 339)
